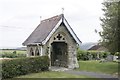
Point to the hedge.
(90, 55)
(21, 66)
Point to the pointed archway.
(37, 52)
(59, 54)
(31, 52)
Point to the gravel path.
(91, 74)
(84, 73)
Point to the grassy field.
(51, 74)
(12, 53)
(95, 66)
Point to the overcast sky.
(18, 18)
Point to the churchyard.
(84, 65)
(90, 66)
(96, 66)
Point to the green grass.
(95, 66)
(51, 74)
(11, 54)
(11, 51)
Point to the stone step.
(59, 69)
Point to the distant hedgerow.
(89, 55)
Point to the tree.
(110, 36)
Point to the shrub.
(21, 66)
(117, 54)
(101, 55)
(94, 55)
(80, 54)
(83, 55)
(14, 52)
(89, 55)
(105, 54)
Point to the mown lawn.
(95, 66)
(51, 74)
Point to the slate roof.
(43, 30)
(95, 47)
(98, 48)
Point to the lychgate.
(54, 37)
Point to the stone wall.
(33, 47)
(72, 46)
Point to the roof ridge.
(54, 17)
(47, 27)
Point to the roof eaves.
(34, 44)
(71, 31)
